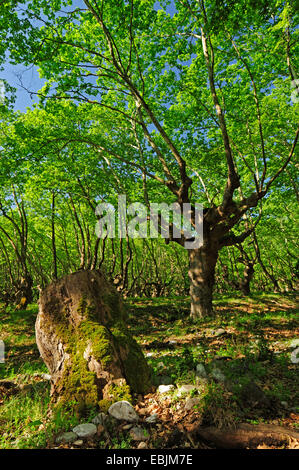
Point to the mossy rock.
(82, 337)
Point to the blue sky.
(20, 75)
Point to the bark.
(202, 263)
(248, 275)
(83, 340)
(24, 293)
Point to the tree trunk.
(248, 275)
(202, 263)
(82, 337)
(24, 294)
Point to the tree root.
(247, 436)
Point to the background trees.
(189, 102)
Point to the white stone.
(46, 376)
(152, 418)
(66, 437)
(201, 371)
(295, 356)
(218, 375)
(186, 389)
(165, 388)
(191, 402)
(142, 445)
(294, 344)
(123, 410)
(79, 442)
(99, 419)
(219, 332)
(85, 430)
(138, 434)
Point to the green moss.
(79, 388)
(116, 393)
(116, 308)
(137, 371)
(120, 392)
(101, 341)
(105, 404)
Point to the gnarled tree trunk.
(82, 337)
(202, 263)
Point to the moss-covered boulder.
(82, 337)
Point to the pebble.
(218, 332)
(191, 402)
(218, 375)
(66, 437)
(295, 356)
(295, 343)
(142, 445)
(138, 434)
(78, 443)
(99, 419)
(152, 419)
(85, 430)
(46, 376)
(123, 410)
(201, 371)
(126, 427)
(165, 388)
(188, 388)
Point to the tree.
(178, 97)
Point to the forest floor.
(248, 374)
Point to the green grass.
(257, 328)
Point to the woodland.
(173, 102)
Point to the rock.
(186, 389)
(164, 380)
(294, 344)
(142, 445)
(66, 437)
(191, 402)
(218, 375)
(201, 371)
(126, 427)
(165, 388)
(99, 419)
(152, 419)
(78, 443)
(85, 430)
(46, 376)
(138, 434)
(82, 323)
(295, 356)
(123, 410)
(200, 381)
(218, 332)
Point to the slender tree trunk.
(202, 263)
(248, 275)
(54, 238)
